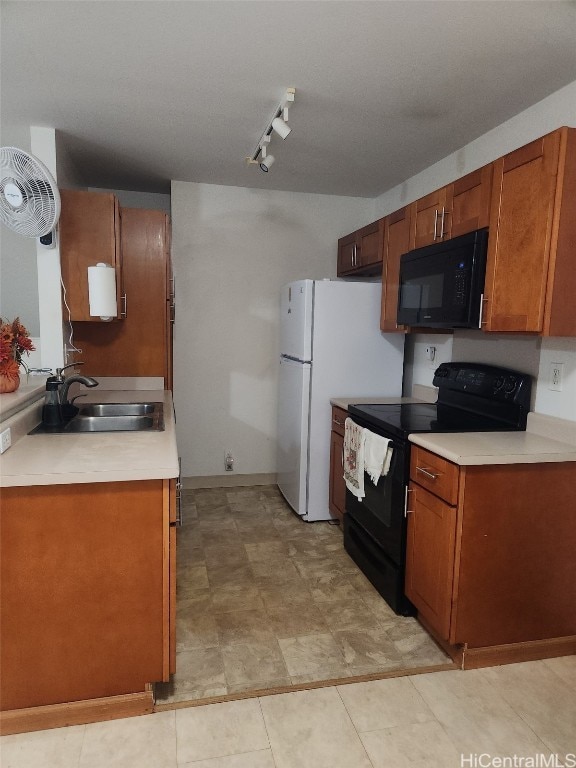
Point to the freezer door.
(293, 410)
(296, 303)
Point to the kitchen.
(225, 389)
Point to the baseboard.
(533, 650)
(76, 712)
(229, 480)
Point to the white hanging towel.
(354, 439)
(377, 455)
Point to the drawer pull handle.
(431, 475)
(339, 423)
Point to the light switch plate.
(5, 440)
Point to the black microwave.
(441, 285)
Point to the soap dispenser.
(51, 410)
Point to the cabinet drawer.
(434, 473)
(339, 416)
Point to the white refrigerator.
(330, 345)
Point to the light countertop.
(546, 439)
(93, 457)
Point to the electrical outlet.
(5, 440)
(555, 377)
(228, 462)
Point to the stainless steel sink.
(117, 409)
(120, 423)
(110, 417)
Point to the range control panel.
(489, 382)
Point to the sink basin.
(110, 417)
(121, 423)
(117, 409)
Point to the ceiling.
(146, 91)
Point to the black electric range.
(472, 397)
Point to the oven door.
(381, 512)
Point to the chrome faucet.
(57, 410)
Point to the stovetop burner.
(471, 398)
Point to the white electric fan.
(29, 197)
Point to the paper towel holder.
(102, 291)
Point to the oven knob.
(510, 385)
(499, 383)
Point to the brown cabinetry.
(454, 210)
(337, 490)
(490, 556)
(89, 231)
(86, 591)
(396, 242)
(531, 269)
(142, 344)
(360, 252)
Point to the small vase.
(9, 383)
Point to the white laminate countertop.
(546, 439)
(94, 457)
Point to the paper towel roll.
(102, 291)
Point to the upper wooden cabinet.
(360, 253)
(142, 344)
(531, 269)
(396, 242)
(456, 209)
(89, 231)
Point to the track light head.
(266, 162)
(280, 127)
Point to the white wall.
(150, 200)
(526, 353)
(233, 248)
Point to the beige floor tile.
(237, 598)
(191, 577)
(266, 551)
(320, 567)
(230, 575)
(379, 607)
(348, 614)
(275, 573)
(195, 630)
(564, 667)
(305, 619)
(546, 703)
(243, 626)
(368, 650)
(311, 729)
(136, 742)
(280, 597)
(313, 548)
(220, 554)
(332, 586)
(261, 759)
(421, 745)
(224, 538)
(199, 674)
(311, 654)
(56, 748)
(220, 729)
(384, 704)
(475, 717)
(256, 662)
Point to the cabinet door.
(470, 202)
(370, 240)
(337, 494)
(429, 219)
(347, 254)
(396, 242)
(520, 233)
(89, 233)
(430, 558)
(138, 345)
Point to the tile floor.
(265, 600)
(434, 720)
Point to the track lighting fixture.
(278, 125)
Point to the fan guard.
(29, 197)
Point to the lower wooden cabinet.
(337, 491)
(87, 591)
(490, 554)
